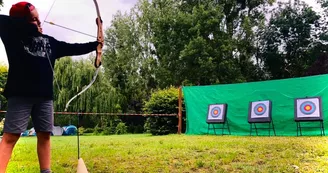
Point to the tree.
(323, 21)
(127, 61)
(204, 42)
(320, 66)
(162, 102)
(71, 78)
(290, 43)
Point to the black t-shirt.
(29, 52)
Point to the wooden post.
(180, 111)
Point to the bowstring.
(95, 74)
(53, 71)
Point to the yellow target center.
(216, 112)
(308, 108)
(260, 109)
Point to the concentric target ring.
(216, 111)
(307, 107)
(260, 109)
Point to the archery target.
(308, 108)
(216, 112)
(260, 109)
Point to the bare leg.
(7, 145)
(43, 148)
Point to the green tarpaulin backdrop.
(281, 92)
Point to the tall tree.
(72, 77)
(323, 21)
(290, 44)
(128, 63)
(204, 42)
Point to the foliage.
(81, 130)
(121, 128)
(178, 153)
(290, 43)
(190, 42)
(320, 66)
(2, 122)
(162, 102)
(71, 78)
(160, 43)
(203, 42)
(3, 81)
(126, 63)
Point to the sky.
(75, 14)
(78, 15)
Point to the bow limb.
(100, 38)
(93, 80)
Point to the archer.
(29, 88)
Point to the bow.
(100, 38)
(97, 63)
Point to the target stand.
(259, 112)
(217, 114)
(308, 109)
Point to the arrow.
(52, 23)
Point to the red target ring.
(216, 111)
(260, 109)
(307, 108)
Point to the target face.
(260, 109)
(216, 112)
(308, 108)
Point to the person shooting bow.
(29, 88)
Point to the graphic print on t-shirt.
(38, 47)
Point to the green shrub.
(88, 130)
(97, 130)
(107, 127)
(121, 128)
(81, 130)
(162, 102)
(107, 131)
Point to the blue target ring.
(216, 111)
(308, 107)
(260, 109)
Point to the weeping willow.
(73, 76)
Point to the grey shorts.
(20, 109)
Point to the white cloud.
(76, 14)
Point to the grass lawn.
(178, 153)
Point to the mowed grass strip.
(177, 153)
